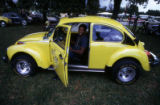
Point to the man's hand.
(80, 52)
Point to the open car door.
(60, 51)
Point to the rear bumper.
(155, 60)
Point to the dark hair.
(84, 26)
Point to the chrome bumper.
(155, 60)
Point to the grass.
(83, 89)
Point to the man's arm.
(80, 52)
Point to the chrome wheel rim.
(3, 24)
(24, 23)
(126, 74)
(23, 67)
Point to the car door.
(59, 51)
(15, 18)
(105, 41)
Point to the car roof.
(92, 19)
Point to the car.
(153, 29)
(51, 22)
(111, 47)
(16, 18)
(4, 21)
(50, 25)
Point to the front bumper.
(154, 60)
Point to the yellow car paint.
(59, 56)
(5, 19)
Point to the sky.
(150, 6)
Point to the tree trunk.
(135, 25)
(117, 4)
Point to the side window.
(60, 36)
(106, 34)
(13, 15)
(75, 26)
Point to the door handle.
(60, 56)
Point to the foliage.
(117, 4)
(153, 12)
(69, 6)
(92, 6)
(158, 1)
(140, 2)
(133, 9)
(116, 9)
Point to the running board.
(79, 68)
(87, 70)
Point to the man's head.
(82, 29)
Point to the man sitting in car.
(79, 46)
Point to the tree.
(158, 1)
(153, 12)
(117, 4)
(92, 7)
(116, 9)
(7, 5)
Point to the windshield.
(129, 31)
(50, 32)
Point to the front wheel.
(126, 71)
(24, 65)
(3, 24)
(24, 22)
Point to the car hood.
(33, 37)
(2, 17)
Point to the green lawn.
(83, 89)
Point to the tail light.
(148, 54)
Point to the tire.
(24, 65)
(3, 24)
(126, 71)
(24, 22)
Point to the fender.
(137, 54)
(40, 53)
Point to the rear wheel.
(24, 65)
(126, 71)
(3, 24)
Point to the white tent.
(105, 14)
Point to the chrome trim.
(78, 66)
(87, 70)
(126, 74)
(156, 60)
(51, 68)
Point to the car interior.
(74, 33)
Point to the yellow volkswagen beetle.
(111, 47)
(4, 21)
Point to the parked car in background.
(154, 29)
(35, 16)
(4, 21)
(132, 19)
(16, 18)
(154, 20)
(110, 47)
(51, 22)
